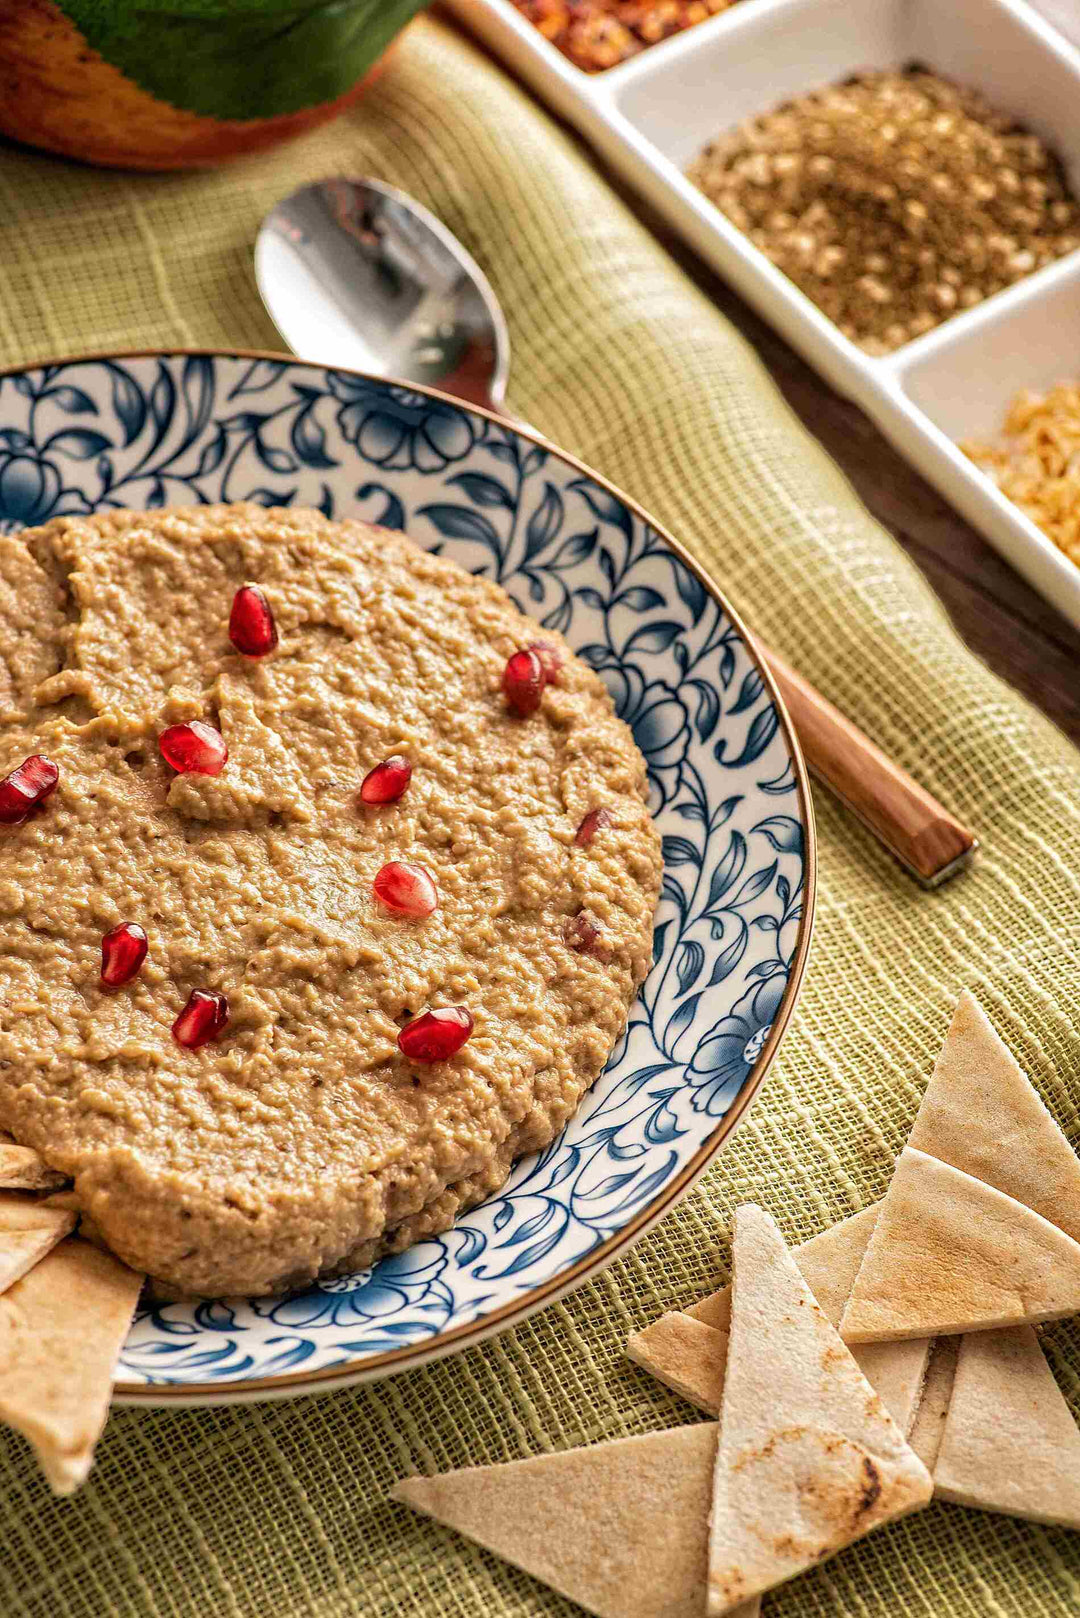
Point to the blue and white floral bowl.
(728, 787)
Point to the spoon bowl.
(356, 274)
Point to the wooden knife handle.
(924, 837)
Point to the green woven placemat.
(281, 1510)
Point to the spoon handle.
(927, 840)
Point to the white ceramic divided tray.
(651, 115)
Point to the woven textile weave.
(281, 1509)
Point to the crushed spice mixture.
(1036, 464)
(893, 200)
(598, 34)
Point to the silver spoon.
(356, 274)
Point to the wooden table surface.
(1010, 626)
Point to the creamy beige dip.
(301, 1143)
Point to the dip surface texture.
(302, 1142)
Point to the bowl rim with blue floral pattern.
(391, 406)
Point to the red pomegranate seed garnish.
(202, 1019)
(594, 820)
(407, 889)
(523, 682)
(194, 749)
(436, 1035)
(550, 657)
(252, 629)
(582, 932)
(387, 781)
(122, 953)
(29, 784)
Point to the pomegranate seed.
(581, 932)
(202, 1019)
(194, 749)
(30, 784)
(593, 822)
(122, 953)
(408, 889)
(550, 657)
(387, 781)
(523, 682)
(436, 1035)
(252, 629)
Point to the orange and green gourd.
(182, 83)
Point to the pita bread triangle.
(979, 1227)
(620, 1528)
(1010, 1443)
(981, 1114)
(688, 1351)
(951, 1254)
(28, 1231)
(686, 1355)
(21, 1169)
(56, 1381)
(929, 1424)
(808, 1459)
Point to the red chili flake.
(593, 822)
(582, 933)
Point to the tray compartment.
(650, 116)
(965, 379)
(768, 51)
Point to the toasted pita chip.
(950, 1254)
(829, 1262)
(689, 1355)
(686, 1355)
(1010, 1443)
(28, 1231)
(21, 1169)
(61, 1329)
(715, 1310)
(983, 1120)
(808, 1459)
(620, 1528)
(981, 1114)
(929, 1424)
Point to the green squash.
(169, 83)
